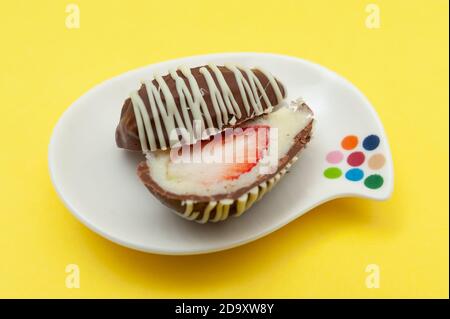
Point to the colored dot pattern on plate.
(332, 172)
(376, 161)
(335, 157)
(354, 174)
(374, 181)
(371, 142)
(349, 142)
(355, 159)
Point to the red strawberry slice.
(234, 153)
(249, 147)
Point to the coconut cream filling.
(217, 211)
(199, 178)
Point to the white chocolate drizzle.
(220, 209)
(167, 116)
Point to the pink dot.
(334, 157)
(356, 158)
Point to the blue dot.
(371, 142)
(354, 174)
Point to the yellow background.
(402, 68)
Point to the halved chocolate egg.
(226, 175)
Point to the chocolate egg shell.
(127, 133)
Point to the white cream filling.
(287, 121)
(220, 210)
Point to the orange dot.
(349, 142)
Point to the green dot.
(374, 181)
(332, 172)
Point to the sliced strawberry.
(225, 157)
(248, 147)
(233, 171)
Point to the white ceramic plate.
(98, 182)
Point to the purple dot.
(334, 157)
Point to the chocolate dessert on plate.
(216, 138)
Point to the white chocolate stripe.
(150, 89)
(198, 96)
(189, 206)
(191, 99)
(226, 211)
(253, 196)
(274, 85)
(263, 191)
(230, 102)
(194, 107)
(171, 106)
(218, 216)
(193, 216)
(137, 105)
(207, 212)
(215, 92)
